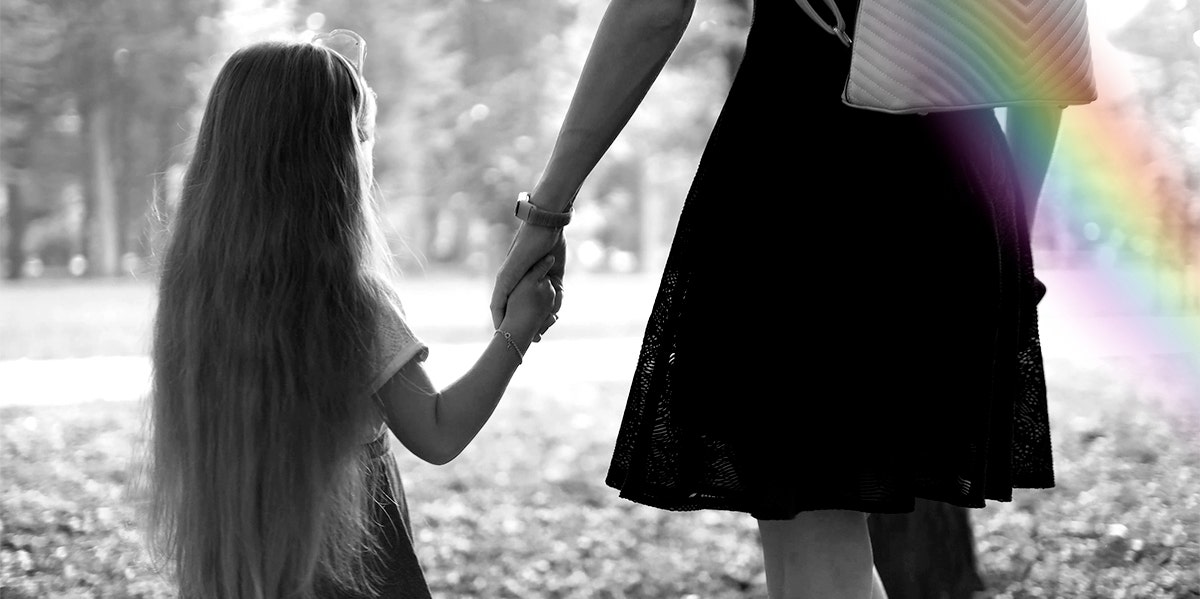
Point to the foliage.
(32, 46)
(97, 96)
(1143, 201)
(471, 94)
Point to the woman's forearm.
(633, 42)
(1032, 133)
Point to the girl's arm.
(437, 426)
(1032, 133)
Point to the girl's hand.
(532, 301)
(530, 244)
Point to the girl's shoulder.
(394, 344)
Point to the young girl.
(280, 349)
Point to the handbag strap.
(838, 28)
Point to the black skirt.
(847, 316)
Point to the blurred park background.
(98, 103)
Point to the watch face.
(526, 211)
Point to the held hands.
(531, 244)
(532, 302)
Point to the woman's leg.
(877, 590)
(823, 554)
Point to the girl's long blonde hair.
(266, 312)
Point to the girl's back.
(269, 302)
(280, 349)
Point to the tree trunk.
(16, 220)
(927, 554)
(101, 221)
(734, 52)
(129, 170)
(18, 154)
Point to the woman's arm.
(633, 42)
(1032, 133)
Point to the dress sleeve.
(395, 345)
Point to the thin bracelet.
(508, 340)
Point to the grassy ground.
(524, 511)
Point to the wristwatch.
(526, 211)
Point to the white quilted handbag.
(921, 56)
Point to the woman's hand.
(532, 243)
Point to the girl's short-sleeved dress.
(847, 316)
(401, 576)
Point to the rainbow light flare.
(1108, 174)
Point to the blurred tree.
(124, 72)
(1166, 34)
(471, 95)
(31, 34)
(650, 167)
(721, 32)
(1162, 29)
(461, 88)
(133, 65)
(160, 68)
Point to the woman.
(846, 320)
